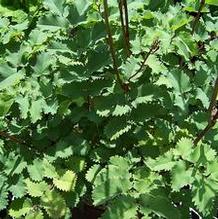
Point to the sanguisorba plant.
(108, 102)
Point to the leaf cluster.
(101, 103)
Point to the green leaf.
(203, 98)
(124, 207)
(10, 81)
(6, 70)
(14, 165)
(186, 45)
(202, 154)
(6, 102)
(204, 194)
(212, 2)
(3, 198)
(18, 188)
(82, 6)
(158, 203)
(20, 207)
(49, 170)
(52, 23)
(155, 64)
(116, 127)
(66, 182)
(24, 106)
(35, 170)
(54, 204)
(36, 189)
(112, 180)
(164, 162)
(145, 180)
(55, 6)
(179, 21)
(36, 109)
(44, 61)
(184, 148)
(92, 173)
(35, 214)
(181, 176)
(180, 81)
(121, 110)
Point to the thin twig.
(203, 133)
(111, 45)
(120, 2)
(196, 19)
(153, 49)
(127, 25)
(12, 138)
(213, 98)
(213, 114)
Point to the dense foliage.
(110, 103)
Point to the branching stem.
(12, 138)
(196, 19)
(111, 45)
(213, 114)
(120, 2)
(214, 97)
(153, 49)
(127, 26)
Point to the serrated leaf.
(35, 170)
(36, 110)
(112, 180)
(92, 173)
(54, 204)
(14, 165)
(44, 61)
(181, 176)
(6, 102)
(164, 162)
(49, 170)
(23, 106)
(202, 154)
(203, 195)
(52, 23)
(203, 98)
(179, 21)
(186, 45)
(35, 214)
(10, 81)
(121, 110)
(66, 182)
(36, 189)
(81, 6)
(20, 207)
(145, 180)
(110, 189)
(124, 207)
(18, 188)
(76, 164)
(116, 127)
(180, 81)
(6, 70)
(155, 64)
(3, 198)
(158, 203)
(212, 2)
(184, 148)
(55, 6)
